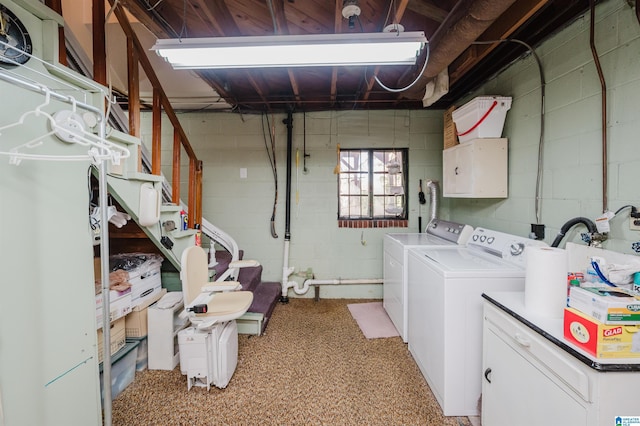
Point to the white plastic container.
(482, 117)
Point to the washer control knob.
(517, 249)
(490, 240)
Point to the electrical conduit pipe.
(286, 269)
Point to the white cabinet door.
(457, 169)
(517, 391)
(476, 169)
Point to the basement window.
(372, 188)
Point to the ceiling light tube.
(355, 49)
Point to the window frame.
(371, 195)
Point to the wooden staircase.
(124, 186)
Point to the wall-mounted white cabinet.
(476, 169)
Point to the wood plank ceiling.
(451, 26)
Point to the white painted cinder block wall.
(242, 207)
(572, 161)
(572, 171)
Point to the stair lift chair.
(209, 347)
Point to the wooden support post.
(175, 176)
(192, 191)
(198, 193)
(156, 136)
(56, 6)
(99, 43)
(133, 75)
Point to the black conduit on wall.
(289, 122)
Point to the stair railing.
(137, 55)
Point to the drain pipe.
(339, 281)
(286, 269)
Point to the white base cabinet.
(476, 169)
(530, 380)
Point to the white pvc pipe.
(286, 271)
(307, 283)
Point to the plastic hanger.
(69, 129)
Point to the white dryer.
(396, 246)
(445, 310)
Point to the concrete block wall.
(572, 161)
(243, 207)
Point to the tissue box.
(609, 305)
(601, 340)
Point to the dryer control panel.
(511, 248)
(451, 231)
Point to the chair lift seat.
(197, 289)
(227, 306)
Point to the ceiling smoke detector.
(351, 11)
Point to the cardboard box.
(136, 321)
(119, 306)
(601, 340)
(608, 305)
(450, 135)
(117, 338)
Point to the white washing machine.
(445, 310)
(396, 246)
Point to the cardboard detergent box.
(609, 305)
(601, 340)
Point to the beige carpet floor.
(313, 366)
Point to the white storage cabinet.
(162, 339)
(476, 169)
(529, 380)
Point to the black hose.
(570, 224)
(289, 122)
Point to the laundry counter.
(529, 367)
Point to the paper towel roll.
(545, 286)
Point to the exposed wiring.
(159, 17)
(183, 30)
(273, 17)
(543, 84)
(634, 211)
(272, 161)
(154, 6)
(424, 67)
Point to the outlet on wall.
(634, 224)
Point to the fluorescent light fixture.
(356, 49)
